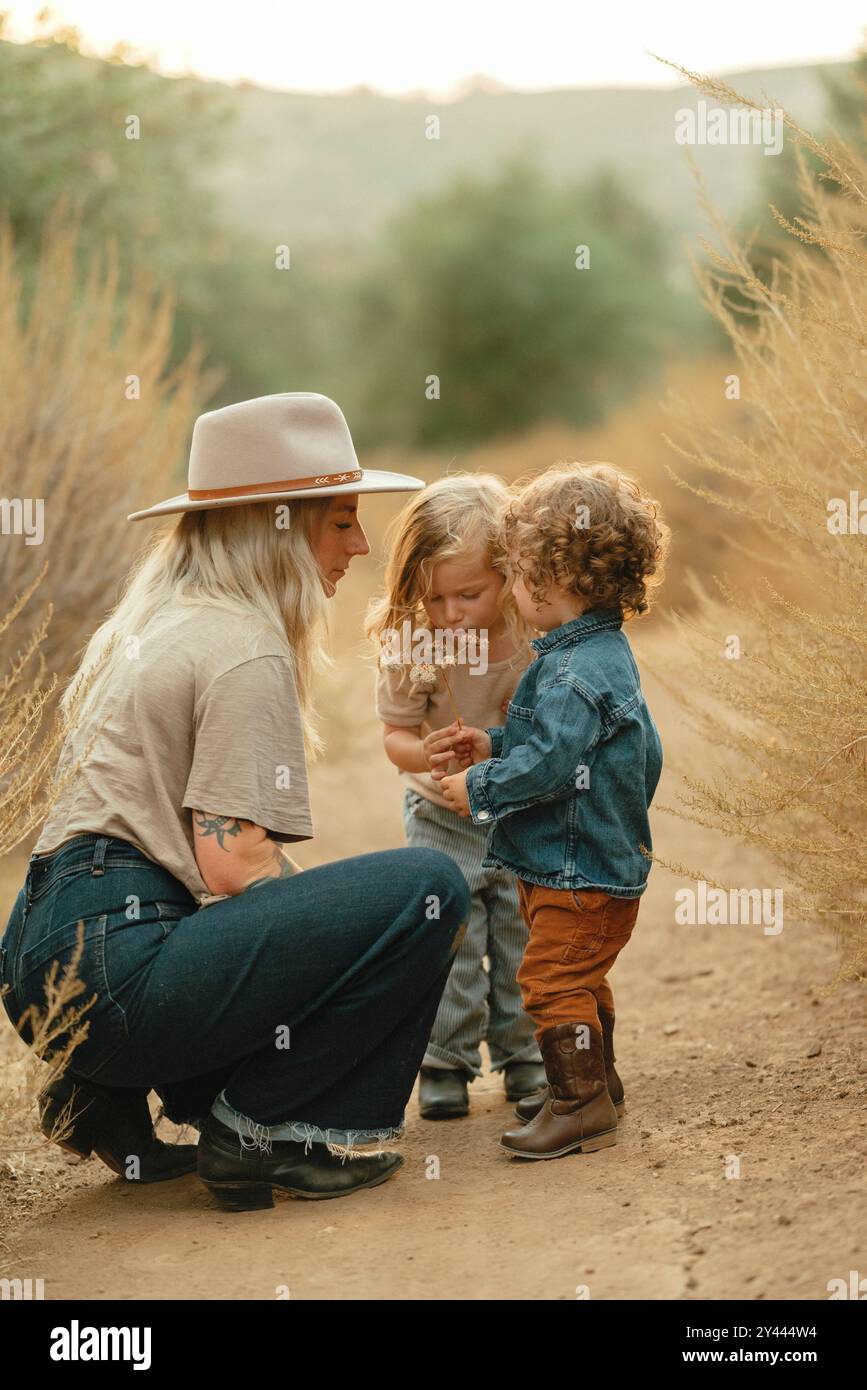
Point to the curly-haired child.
(447, 586)
(567, 783)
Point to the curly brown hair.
(589, 529)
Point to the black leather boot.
(241, 1178)
(114, 1123)
(523, 1079)
(442, 1093)
(528, 1108)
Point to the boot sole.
(604, 1140)
(258, 1196)
(445, 1112)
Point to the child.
(567, 784)
(446, 584)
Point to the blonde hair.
(612, 556)
(233, 558)
(455, 517)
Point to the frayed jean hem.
(342, 1142)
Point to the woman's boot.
(114, 1123)
(528, 1108)
(241, 1178)
(579, 1114)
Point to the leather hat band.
(279, 485)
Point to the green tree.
(478, 286)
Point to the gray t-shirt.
(203, 714)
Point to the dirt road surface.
(728, 1049)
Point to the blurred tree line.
(476, 285)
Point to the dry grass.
(789, 706)
(28, 789)
(30, 782)
(69, 434)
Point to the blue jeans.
(299, 1008)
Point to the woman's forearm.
(234, 854)
(275, 863)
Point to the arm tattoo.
(219, 826)
(285, 870)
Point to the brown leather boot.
(579, 1114)
(530, 1106)
(612, 1080)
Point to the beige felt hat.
(295, 444)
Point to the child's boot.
(531, 1105)
(522, 1079)
(442, 1093)
(612, 1080)
(579, 1113)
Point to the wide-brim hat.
(294, 444)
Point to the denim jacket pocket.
(106, 1023)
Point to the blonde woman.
(447, 580)
(283, 1013)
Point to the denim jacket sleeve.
(564, 728)
(495, 734)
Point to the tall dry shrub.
(29, 746)
(76, 430)
(74, 435)
(776, 678)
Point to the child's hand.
(464, 743)
(455, 793)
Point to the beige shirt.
(480, 699)
(204, 716)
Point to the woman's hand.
(455, 793)
(464, 743)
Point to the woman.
(284, 1013)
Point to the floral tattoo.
(219, 826)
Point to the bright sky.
(410, 45)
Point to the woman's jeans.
(306, 1001)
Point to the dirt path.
(716, 1027)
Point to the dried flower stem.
(451, 697)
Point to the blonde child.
(452, 643)
(567, 784)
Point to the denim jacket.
(575, 766)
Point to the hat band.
(202, 494)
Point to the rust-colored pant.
(575, 938)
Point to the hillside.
(289, 164)
(298, 162)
